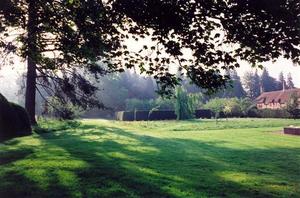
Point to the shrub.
(232, 108)
(273, 113)
(14, 120)
(247, 107)
(293, 105)
(22, 122)
(203, 113)
(252, 112)
(216, 105)
(63, 110)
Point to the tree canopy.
(63, 39)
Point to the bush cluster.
(14, 120)
(231, 107)
(63, 110)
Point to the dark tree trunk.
(31, 61)
(30, 90)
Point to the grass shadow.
(156, 165)
(122, 163)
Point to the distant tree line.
(254, 84)
(129, 91)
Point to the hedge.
(270, 113)
(200, 113)
(14, 120)
(157, 115)
(203, 113)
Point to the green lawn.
(98, 158)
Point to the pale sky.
(9, 75)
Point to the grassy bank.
(98, 158)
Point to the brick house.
(274, 99)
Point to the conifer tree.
(289, 82)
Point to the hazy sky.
(9, 75)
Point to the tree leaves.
(192, 35)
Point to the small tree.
(184, 106)
(247, 106)
(232, 107)
(292, 105)
(216, 105)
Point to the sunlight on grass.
(236, 158)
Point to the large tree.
(57, 36)
(235, 88)
(268, 83)
(252, 84)
(61, 41)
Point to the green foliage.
(186, 104)
(232, 107)
(84, 32)
(238, 158)
(233, 88)
(271, 113)
(216, 105)
(252, 83)
(292, 106)
(64, 110)
(248, 108)
(268, 83)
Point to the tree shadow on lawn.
(179, 167)
(131, 165)
(14, 155)
(16, 184)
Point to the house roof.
(276, 96)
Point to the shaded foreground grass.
(98, 158)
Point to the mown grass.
(98, 158)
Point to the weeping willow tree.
(186, 104)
